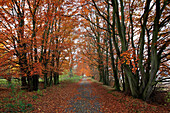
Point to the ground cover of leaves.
(113, 101)
(68, 97)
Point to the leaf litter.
(90, 97)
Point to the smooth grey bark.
(100, 60)
(141, 82)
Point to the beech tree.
(36, 35)
(136, 28)
(38, 38)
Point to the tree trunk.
(30, 83)
(133, 83)
(155, 60)
(71, 72)
(35, 82)
(117, 85)
(107, 67)
(123, 79)
(51, 79)
(23, 81)
(55, 78)
(126, 85)
(45, 80)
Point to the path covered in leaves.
(85, 101)
(85, 96)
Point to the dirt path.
(85, 101)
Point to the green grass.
(4, 82)
(109, 91)
(41, 80)
(75, 78)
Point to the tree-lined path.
(119, 43)
(89, 96)
(80, 96)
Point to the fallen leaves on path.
(56, 99)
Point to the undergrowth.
(15, 103)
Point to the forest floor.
(85, 96)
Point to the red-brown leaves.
(113, 101)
